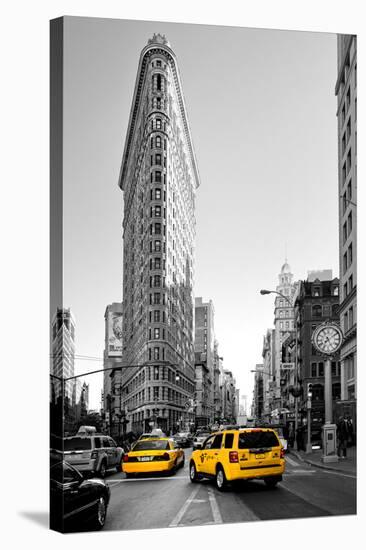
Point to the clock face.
(328, 339)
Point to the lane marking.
(214, 506)
(337, 473)
(294, 472)
(184, 508)
(125, 480)
(291, 461)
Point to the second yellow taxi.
(153, 455)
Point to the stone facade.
(159, 179)
(346, 91)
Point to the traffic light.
(310, 390)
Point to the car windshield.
(77, 444)
(151, 445)
(254, 440)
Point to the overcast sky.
(262, 113)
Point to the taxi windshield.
(152, 445)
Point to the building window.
(157, 245)
(344, 263)
(344, 232)
(156, 333)
(345, 322)
(158, 103)
(158, 159)
(334, 368)
(157, 194)
(326, 311)
(335, 291)
(316, 311)
(156, 298)
(158, 63)
(157, 280)
(350, 254)
(158, 142)
(350, 284)
(157, 211)
(157, 263)
(157, 316)
(156, 369)
(158, 123)
(158, 82)
(313, 370)
(350, 317)
(321, 369)
(158, 176)
(157, 229)
(349, 190)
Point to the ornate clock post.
(327, 339)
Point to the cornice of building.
(160, 47)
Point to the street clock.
(327, 338)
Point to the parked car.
(93, 454)
(199, 438)
(232, 455)
(153, 455)
(76, 502)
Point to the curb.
(321, 466)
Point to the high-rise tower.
(159, 178)
(346, 91)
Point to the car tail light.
(165, 456)
(282, 453)
(125, 458)
(233, 456)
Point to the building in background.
(283, 326)
(159, 179)
(317, 301)
(204, 345)
(63, 355)
(113, 414)
(269, 388)
(346, 91)
(229, 406)
(258, 393)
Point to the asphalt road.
(157, 502)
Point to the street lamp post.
(263, 292)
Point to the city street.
(157, 502)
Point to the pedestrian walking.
(291, 435)
(342, 437)
(350, 431)
(300, 438)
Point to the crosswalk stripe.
(291, 461)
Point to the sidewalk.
(347, 465)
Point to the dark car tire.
(102, 469)
(100, 513)
(129, 476)
(271, 482)
(193, 476)
(220, 479)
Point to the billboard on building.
(114, 334)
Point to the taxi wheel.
(193, 473)
(221, 482)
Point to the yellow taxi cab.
(244, 454)
(153, 455)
